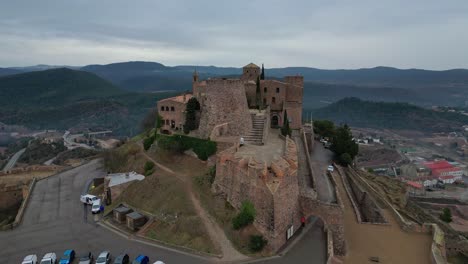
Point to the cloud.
(324, 34)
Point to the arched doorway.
(274, 121)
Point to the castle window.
(273, 100)
(264, 89)
(172, 109)
(162, 108)
(167, 108)
(277, 89)
(264, 101)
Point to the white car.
(49, 258)
(30, 259)
(103, 258)
(330, 168)
(158, 262)
(88, 199)
(96, 208)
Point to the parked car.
(158, 262)
(68, 256)
(122, 259)
(49, 258)
(330, 168)
(30, 259)
(141, 259)
(96, 208)
(86, 258)
(88, 199)
(103, 258)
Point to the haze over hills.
(421, 87)
(359, 113)
(64, 98)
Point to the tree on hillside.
(446, 215)
(258, 95)
(324, 128)
(343, 143)
(191, 115)
(285, 129)
(151, 120)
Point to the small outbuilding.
(120, 213)
(135, 220)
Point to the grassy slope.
(165, 196)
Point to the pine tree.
(262, 75)
(285, 130)
(258, 96)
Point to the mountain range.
(421, 87)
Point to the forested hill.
(359, 113)
(64, 98)
(53, 88)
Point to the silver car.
(86, 259)
(103, 258)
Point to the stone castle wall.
(225, 102)
(273, 190)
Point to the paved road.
(56, 220)
(11, 163)
(320, 159)
(311, 249)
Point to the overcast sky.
(430, 34)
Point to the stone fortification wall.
(31, 168)
(272, 190)
(366, 209)
(225, 102)
(11, 195)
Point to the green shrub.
(147, 142)
(257, 243)
(212, 174)
(446, 215)
(245, 217)
(345, 159)
(149, 168)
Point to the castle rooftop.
(179, 99)
(251, 65)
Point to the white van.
(96, 206)
(88, 199)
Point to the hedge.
(180, 143)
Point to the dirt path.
(387, 242)
(215, 232)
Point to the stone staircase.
(255, 136)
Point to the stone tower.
(250, 72)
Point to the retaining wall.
(24, 204)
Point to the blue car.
(68, 256)
(141, 259)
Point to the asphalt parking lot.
(56, 220)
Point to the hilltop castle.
(264, 170)
(227, 101)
